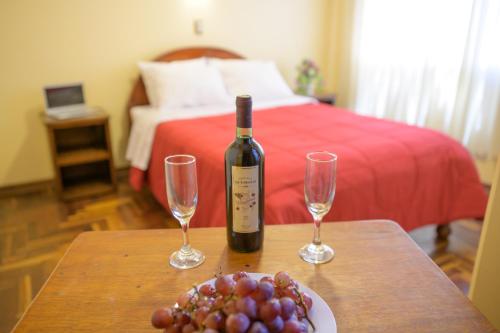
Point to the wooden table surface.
(379, 281)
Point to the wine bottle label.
(245, 183)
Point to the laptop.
(66, 101)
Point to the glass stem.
(186, 248)
(317, 224)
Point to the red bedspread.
(385, 169)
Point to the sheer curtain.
(433, 63)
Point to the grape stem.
(196, 292)
(303, 305)
(219, 273)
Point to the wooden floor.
(36, 229)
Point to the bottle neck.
(243, 133)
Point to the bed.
(386, 169)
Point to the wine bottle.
(244, 167)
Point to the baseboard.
(43, 186)
(47, 186)
(122, 173)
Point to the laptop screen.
(63, 96)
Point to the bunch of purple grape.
(239, 304)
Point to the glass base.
(316, 254)
(187, 259)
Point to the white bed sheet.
(146, 118)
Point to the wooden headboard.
(138, 95)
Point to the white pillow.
(183, 83)
(259, 79)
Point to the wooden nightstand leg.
(111, 163)
(57, 170)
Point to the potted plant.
(308, 77)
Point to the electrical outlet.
(198, 27)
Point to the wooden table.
(379, 281)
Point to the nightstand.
(81, 155)
(326, 98)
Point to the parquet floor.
(36, 229)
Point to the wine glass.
(182, 195)
(319, 190)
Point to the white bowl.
(320, 313)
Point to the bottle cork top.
(244, 111)
(244, 100)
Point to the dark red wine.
(244, 165)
